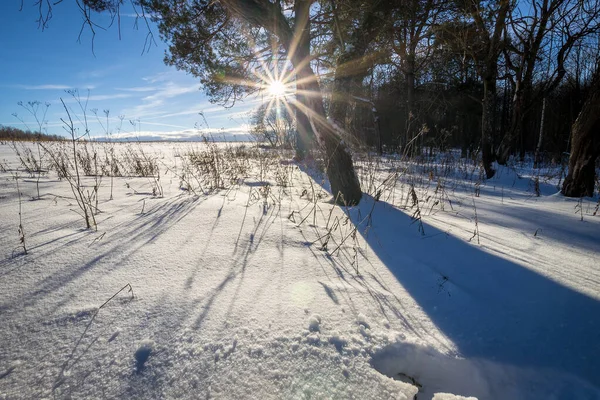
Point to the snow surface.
(270, 293)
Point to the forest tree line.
(9, 133)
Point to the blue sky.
(38, 65)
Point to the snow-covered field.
(436, 283)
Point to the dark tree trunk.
(538, 149)
(487, 123)
(585, 146)
(489, 73)
(345, 186)
(305, 137)
(350, 73)
(341, 95)
(410, 98)
(352, 67)
(514, 131)
(521, 105)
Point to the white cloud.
(195, 110)
(239, 133)
(142, 123)
(209, 109)
(99, 97)
(139, 89)
(154, 104)
(44, 87)
(91, 74)
(171, 90)
(242, 114)
(159, 77)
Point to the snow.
(449, 396)
(314, 323)
(235, 294)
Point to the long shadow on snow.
(131, 236)
(240, 261)
(488, 306)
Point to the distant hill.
(11, 133)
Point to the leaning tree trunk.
(538, 149)
(585, 146)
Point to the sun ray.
(306, 80)
(307, 93)
(275, 78)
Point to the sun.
(277, 88)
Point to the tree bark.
(538, 148)
(305, 138)
(352, 67)
(585, 146)
(348, 82)
(341, 94)
(489, 73)
(517, 120)
(345, 186)
(410, 97)
(487, 123)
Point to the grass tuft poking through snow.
(250, 283)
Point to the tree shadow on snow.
(489, 307)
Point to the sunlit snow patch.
(432, 372)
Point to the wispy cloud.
(243, 113)
(31, 124)
(159, 77)
(171, 90)
(210, 109)
(92, 74)
(139, 89)
(99, 97)
(44, 87)
(154, 104)
(142, 123)
(195, 110)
